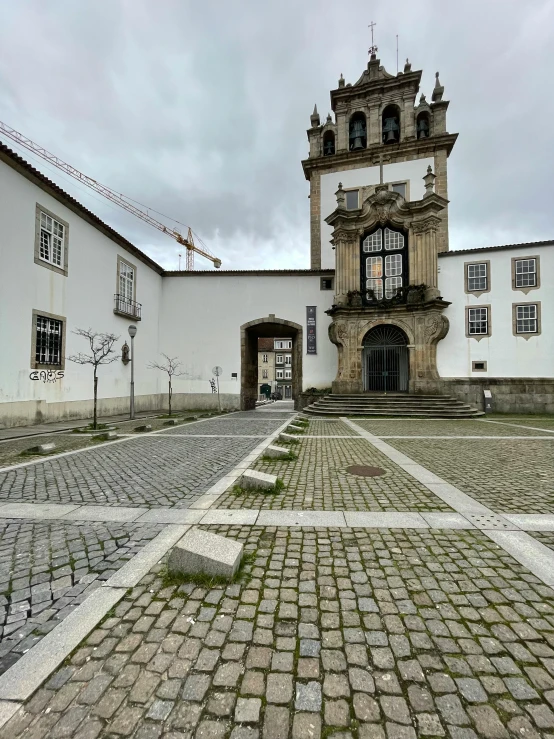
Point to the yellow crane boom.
(115, 197)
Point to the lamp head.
(132, 331)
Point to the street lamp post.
(132, 333)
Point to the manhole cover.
(363, 471)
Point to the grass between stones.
(279, 485)
(208, 581)
(289, 457)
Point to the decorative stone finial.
(422, 99)
(341, 81)
(429, 180)
(341, 197)
(314, 118)
(407, 66)
(329, 119)
(438, 90)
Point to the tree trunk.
(170, 396)
(95, 398)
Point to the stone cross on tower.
(372, 49)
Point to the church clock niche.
(391, 125)
(328, 143)
(384, 264)
(358, 132)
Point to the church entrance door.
(385, 360)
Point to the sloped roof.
(495, 248)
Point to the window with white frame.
(279, 374)
(48, 341)
(264, 358)
(264, 374)
(477, 277)
(288, 358)
(384, 274)
(526, 272)
(288, 374)
(52, 235)
(527, 318)
(279, 359)
(478, 321)
(126, 281)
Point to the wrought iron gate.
(385, 360)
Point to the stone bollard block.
(276, 452)
(171, 422)
(147, 427)
(294, 427)
(42, 448)
(105, 436)
(255, 479)
(203, 553)
(283, 436)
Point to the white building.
(484, 315)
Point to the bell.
(357, 144)
(422, 129)
(391, 138)
(328, 148)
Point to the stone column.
(347, 268)
(315, 221)
(423, 256)
(374, 125)
(342, 129)
(441, 188)
(409, 122)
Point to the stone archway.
(269, 327)
(385, 359)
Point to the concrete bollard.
(147, 427)
(276, 452)
(42, 448)
(203, 553)
(254, 479)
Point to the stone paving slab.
(317, 480)
(386, 520)
(48, 567)
(439, 428)
(507, 476)
(147, 471)
(329, 633)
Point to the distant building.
(283, 367)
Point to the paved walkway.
(415, 603)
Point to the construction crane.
(188, 242)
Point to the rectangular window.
(51, 240)
(288, 359)
(264, 374)
(288, 374)
(352, 198)
(279, 374)
(527, 318)
(478, 321)
(126, 281)
(400, 188)
(264, 358)
(48, 345)
(477, 277)
(526, 272)
(326, 283)
(478, 366)
(279, 359)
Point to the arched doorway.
(385, 360)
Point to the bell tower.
(376, 122)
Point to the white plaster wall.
(506, 355)
(84, 298)
(201, 316)
(413, 172)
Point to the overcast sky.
(200, 109)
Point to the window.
(126, 281)
(264, 358)
(478, 321)
(525, 273)
(478, 366)
(279, 359)
(326, 283)
(264, 374)
(288, 374)
(288, 359)
(384, 275)
(126, 288)
(400, 188)
(51, 236)
(477, 277)
(279, 374)
(48, 340)
(527, 318)
(352, 199)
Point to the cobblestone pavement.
(441, 428)
(353, 634)
(507, 476)
(332, 427)
(48, 568)
(11, 451)
(540, 422)
(151, 471)
(317, 480)
(545, 537)
(231, 426)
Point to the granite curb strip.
(532, 554)
(516, 425)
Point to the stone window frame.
(42, 262)
(130, 264)
(330, 280)
(474, 367)
(264, 374)
(477, 293)
(352, 189)
(530, 334)
(63, 319)
(265, 358)
(526, 290)
(478, 337)
(401, 182)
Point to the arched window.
(391, 124)
(357, 132)
(384, 264)
(328, 143)
(423, 126)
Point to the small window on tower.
(400, 188)
(352, 199)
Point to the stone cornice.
(375, 87)
(361, 312)
(370, 157)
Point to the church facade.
(384, 307)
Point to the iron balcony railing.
(126, 307)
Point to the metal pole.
(218, 400)
(132, 403)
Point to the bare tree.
(171, 366)
(101, 352)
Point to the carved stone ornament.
(436, 327)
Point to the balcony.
(126, 307)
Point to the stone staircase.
(392, 404)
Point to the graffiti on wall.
(46, 375)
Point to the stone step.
(411, 413)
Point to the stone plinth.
(203, 553)
(276, 452)
(257, 480)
